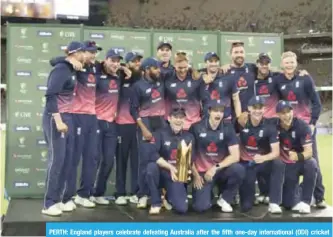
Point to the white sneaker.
(68, 206)
(305, 208)
(100, 200)
(85, 202)
(142, 203)
(133, 199)
(166, 205)
(266, 200)
(52, 210)
(297, 207)
(274, 208)
(260, 199)
(121, 201)
(225, 207)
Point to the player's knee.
(181, 207)
(238, 171)
(152, 170)
(201, 206)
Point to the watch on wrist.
(217, 166)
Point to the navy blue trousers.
(309, 170)
(60, 154)
(144, 154)
(127, 148)
(106, 151)
(229, 178)
(176, 192)
(85, 131)
(274, 171)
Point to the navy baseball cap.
(131, 56)
(91, 46)
(162, 44)
(177, 110)
(256, 100)
(113, 54)
(210, 55)
(74, 47)
(283, 105)
(264, 58)
(216, 104)
(149, 62)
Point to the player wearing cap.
(164, 51)
(58, 128)
(161, 170)
(86, 127)
(107, 96)
(182, 86)
(147, 107)
(216, 160)
(259, 148)
(300, 91)
(219, 87)
(127, 139)
(296, 151)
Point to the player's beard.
(239, 61)
(154, 77)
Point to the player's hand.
(78, 66)
(147, 134)
(293, 156)
(207, 78)
(225, 68)
(127, 71)
(61, 127)
(243, 118)
(210, 174)
(303, 73)
(173, 173)
(198, 182)
(259, 159)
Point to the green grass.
(325, 153)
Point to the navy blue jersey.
(257, 140)
(166, 71)
(300, 91)
(147, 99)
(212, 146)
(166, 143)
(222, 88)
(60, 88)
(185, 93)
(294, 139)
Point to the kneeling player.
(216, 160)
(296, 152)
(161, 170)
(260, 155)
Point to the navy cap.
(91, 46)
(283, 105)
(149, 62)
(256, 100)
(131, 56)
(162, 44)
(113, 54)
(177, 110)
(210, 55)
(264, 57)
(74, 47)
(216, 104)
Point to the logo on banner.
(165, 39)
(119, 50)
(41, 170)
(44, 61)
(189, 40)
(45, 47)
(25, 47)
(136, 37)
(23, 33)
(44, 33)
(39, 128)
(41, 184)
(269, 42)
(25, 102)
(21, 184)
(41, 88)
(23, 88)
(22, 156)
(25, 115)
(23, 73)
(250, 41)
(22, 142)
(43, 75)
(41, 142)
(97, 36)
(204, 39)
(117, 37)
(23, 60)
(43, 155)
(67, 34)
(22, 170)
(23, 128)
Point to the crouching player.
(161, 170)
(296, 152)
(260, 155)
(216, 160)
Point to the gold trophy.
(183, 164)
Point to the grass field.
(325, 152)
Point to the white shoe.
(121, 201)
(225, 207)
(321, 205)
(266, 200)
(166, 205)
(85, 202)
(297, 207)
(142, 203)
(274, 208)
(52, 210)
(260, 199)
(100, 200)
(133, 199)
(305, 208)
(68, 206)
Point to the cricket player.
(164, 52)
(127, 138)
(147, 107)
(58, 128)
(296, 151)
(216, 160)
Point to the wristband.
(300, 156)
